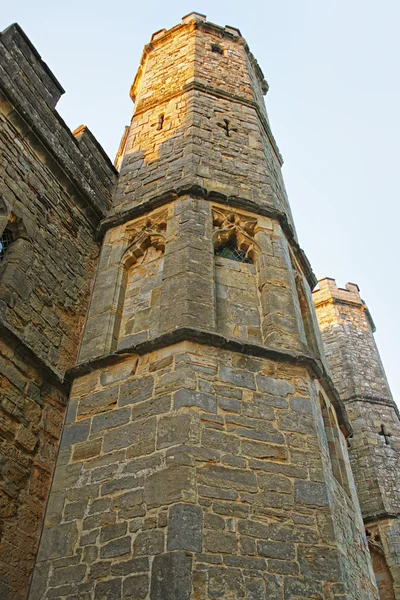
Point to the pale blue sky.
(333, 103)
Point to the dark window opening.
(5, 242)
(217, 49)
(231, 251)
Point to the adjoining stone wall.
(357, 371)
(54, 188)
(31, 418)
(194, 472)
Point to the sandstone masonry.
(203, 452)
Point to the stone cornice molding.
(216, 340)
(116, 219)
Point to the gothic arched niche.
(237, 298)
(335, 448)
(143, 262)
(383, 576)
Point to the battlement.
(199, 21)
(328, 289)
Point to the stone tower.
(203, 454)
(357, 371)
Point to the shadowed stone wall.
(54, 188)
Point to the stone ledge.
(216, 340)
(242, 203)
(372, 400)
(51, 374)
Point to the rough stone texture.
(213, 498)
(192, 148)
(354, 361)
(189, 467)
(54, 188)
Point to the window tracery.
(235, 233)
(142, 235)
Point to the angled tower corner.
(355, 365)
(204, 450)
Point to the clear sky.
(333, 103)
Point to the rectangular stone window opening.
(217, 49)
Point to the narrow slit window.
(6, 240)
(230, 250)
(160, 122)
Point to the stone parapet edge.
(215, 340)
(372, 400)
(117, 219)
(348, 301)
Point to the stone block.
(111, 532)
(220, 542)
(108, 590)
(148, 543)
(136, 587)
(185, 528)
(73, 574)
(281, 550)
(212, 438)
(116, 548)
(319, 563)
(110, 419)
(98, 402)
(136, 391)
(310, 493)
(264, 451)
(234, 479)
(86, 450)
(134, 565)
(74, 433)
(206, 402)
(274, 387)
(169, 485)
(238, 377)
(171, 577)
(172, 430)
(141, 435)
(58, 541)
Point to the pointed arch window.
(231, 250)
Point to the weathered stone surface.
(196, 461)
(168, 486)
(310, 493)
(185, 528)
(171, 577)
